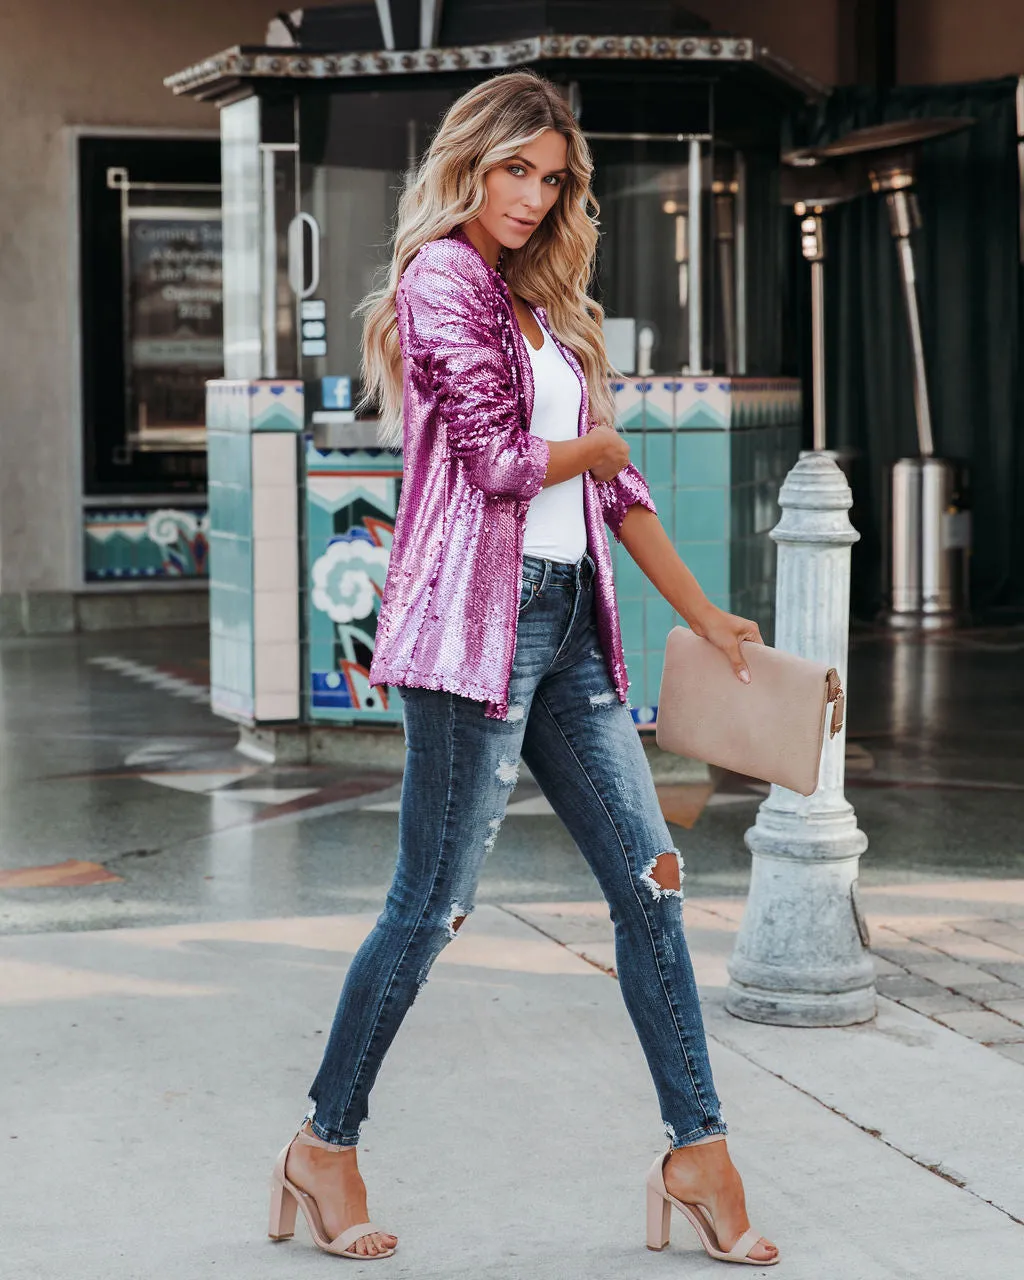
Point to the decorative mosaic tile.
(629, 403)
(702, 404)
(351, 500)
(129, 543)
(276, 406)
(236, 404)
(227, 404)
(659, 401)
(690, 403)
(765, 402)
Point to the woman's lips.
(523, 222)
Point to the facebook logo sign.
(336, 393)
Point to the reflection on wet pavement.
(125, 803)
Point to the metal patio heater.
(929, 524)
(811, 188)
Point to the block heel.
(659, 1220)
(283, 1208)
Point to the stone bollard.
(801, 956)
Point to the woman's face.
(520, 191)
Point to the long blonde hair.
(487, 125)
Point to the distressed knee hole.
(454, 920)
(507, 772)
(666, 871)
(602, 699)
(515, 713)
(663, 875)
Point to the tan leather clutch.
(772, 728)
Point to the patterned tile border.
(135, 544)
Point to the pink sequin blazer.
(451, 596)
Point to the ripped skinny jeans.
(580, 743)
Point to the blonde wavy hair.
(489, 124)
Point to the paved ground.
(178, 920)
(950, 950)
(108, 755)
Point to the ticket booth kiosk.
(319, 134)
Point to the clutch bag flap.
(772, 728)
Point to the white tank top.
(555, 525)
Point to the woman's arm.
(451, 331)
(643, 536)
(448, 323)
(602, 451)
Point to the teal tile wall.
(715, 479)
(235, 409)
(702, 515)
(702, 458)
(231, 557)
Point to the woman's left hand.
(726, 631)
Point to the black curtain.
(967, 260)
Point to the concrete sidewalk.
(150, 1076)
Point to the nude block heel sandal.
(286, 1198)
(659, 1217)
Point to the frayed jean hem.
(335, 1139)
(330, 1135)
(688, 1139)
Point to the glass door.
(357, 151)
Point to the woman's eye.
(553, 178)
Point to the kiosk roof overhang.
(244, 68)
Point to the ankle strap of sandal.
(313, 1140)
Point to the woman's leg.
(460, 768)
(583, 748)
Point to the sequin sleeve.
(453, 331)
(618, 495)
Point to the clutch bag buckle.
(837, 699)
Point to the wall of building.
(65, 62)
(938, 41)
(102, 63)
(943, 41)
(807, 34)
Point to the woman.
(498, 626)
